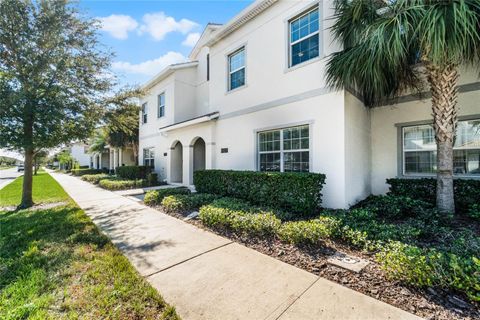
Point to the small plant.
(82, 172)
(155, 197)
(152, 179)
(394, 207)
(115, 184)
(186, 202)
(309, 232)
(95, 178)
(474, 211)
(133, 172)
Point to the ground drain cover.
(192, 215)
(348, 262)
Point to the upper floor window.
(161, 105)
(236, 69)
(208, 67)
(420, 149)
(144, 113)
(284, 150)
(304, 37)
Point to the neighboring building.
(254, 97)
(79, 152)
(112, 158)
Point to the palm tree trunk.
(443, 85)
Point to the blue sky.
(148, 35)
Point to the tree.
(52, 78)
(122, 119)
(65, 158)
(391, 47)
(39, 158)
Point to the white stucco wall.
(357, 150)
(79, 152)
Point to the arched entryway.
(199, 155)
(176, 163)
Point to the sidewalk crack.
(183, 261)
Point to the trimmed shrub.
(474, 211)
(467, 192)
(260, 224)
(82, 172)
(116, 184)
(429, 267)
(95, 178)
(394, 207)
(309, 232)
(152, 179)
(133, 172)
(186, 202)
(296, 192)
(155, 197)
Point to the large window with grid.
(161, 105)
(149, 157)
(304, 37)
(284, 150)
(420, 149)
(236, 69)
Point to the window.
(144, 113)
(284, 150)
(149, 157)
(420, 149)
(304, 37)
(208, 67)
(161, 105)
(236, 69)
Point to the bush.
(394, 207)
(95, 178)
(152, 179)
(260, 224)
(429, 267)
(466, 191)
(309, 232)
(474, 211)
(186, 202)
(155, 197)
(116, 184)
(133, 172)
(82, 172)
(296, 192)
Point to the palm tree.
(394, 46)
(98, 142)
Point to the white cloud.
(158, 25)
(150, 67)
(118, 26)
(191, 39)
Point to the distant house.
(254, 97)
(79, 152)
(112, 158)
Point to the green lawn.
(45, 189)
(55, 263)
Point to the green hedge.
(116, 184)
(155, 197)
(82, 172)
(186, 202)
(133, 172)
(467, 191)
(295, 192)
(95, 178)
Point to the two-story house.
(254, 97)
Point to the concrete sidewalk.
(209, 277)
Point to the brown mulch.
(429, 303)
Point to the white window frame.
(159, 106)
(432, 149)
(317, 33)
(282, 151)
(230, 72)
(144, 112)
(150, 149)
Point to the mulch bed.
(430, 303)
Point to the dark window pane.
(237, 79)
(466, 161)
(305, 50)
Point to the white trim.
(168, 71)
(190, 122)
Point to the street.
(8, 175)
